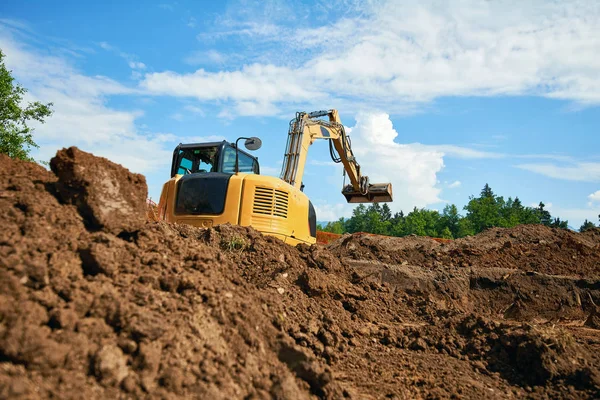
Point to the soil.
(94, 304)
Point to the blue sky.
(439, 97)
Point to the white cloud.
(389, 55)
(576, 216)
(207, 57)
(454, 185)
(249, 29)
(332, 212)
(81, 117)
(136, 65)
(194, 110)
(105, 46)
(458, 151)
(584, 171)
(412, 169)
(254, 88)
(594, 197)
(191, 23)
(131, 59)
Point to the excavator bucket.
(377, 193)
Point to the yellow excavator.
(215, 183)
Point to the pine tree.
(486, 192)
(386, 213)
(587, 225)
(544, 215)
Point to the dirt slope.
(94, 304)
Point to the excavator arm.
(304, 130)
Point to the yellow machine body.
(217, 183)
(266, 203)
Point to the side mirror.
(253, 143)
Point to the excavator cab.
(211, 157)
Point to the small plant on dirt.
(234, 243)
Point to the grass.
(234, 243)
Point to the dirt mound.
(527, 247)
(93, 309)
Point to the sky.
(439, 97)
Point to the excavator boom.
(304, 130)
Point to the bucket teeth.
(377, 193)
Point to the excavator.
(216, 183)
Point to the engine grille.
(268, 201)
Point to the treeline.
(485, 211)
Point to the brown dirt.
(119, 310)
(533, 248)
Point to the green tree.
(376, 220)
(334, 227)
(358, 221)
(386, 213)
(510, 213)
(446, 234)
(465, 228)
(543, 214)
(398, 223)
(557, 223)
(422, 222)
(16, 137)
(484, 211)
(587, 225)
(450, 219)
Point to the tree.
(484, 211)
(446, 234)
(398, 222)
(544, 215)
(449, 220)
(558, 223)
(465, 228)
(358, 221)
(422, 222)
(386, 213)
(334, 227)
(374, 222)
(486, 192)
(16, 137)
(587, 225)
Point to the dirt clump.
(108, 196)
(94, 304)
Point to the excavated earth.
(97, 303)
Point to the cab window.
(201, 160)
(245, 163)
(184, 166)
